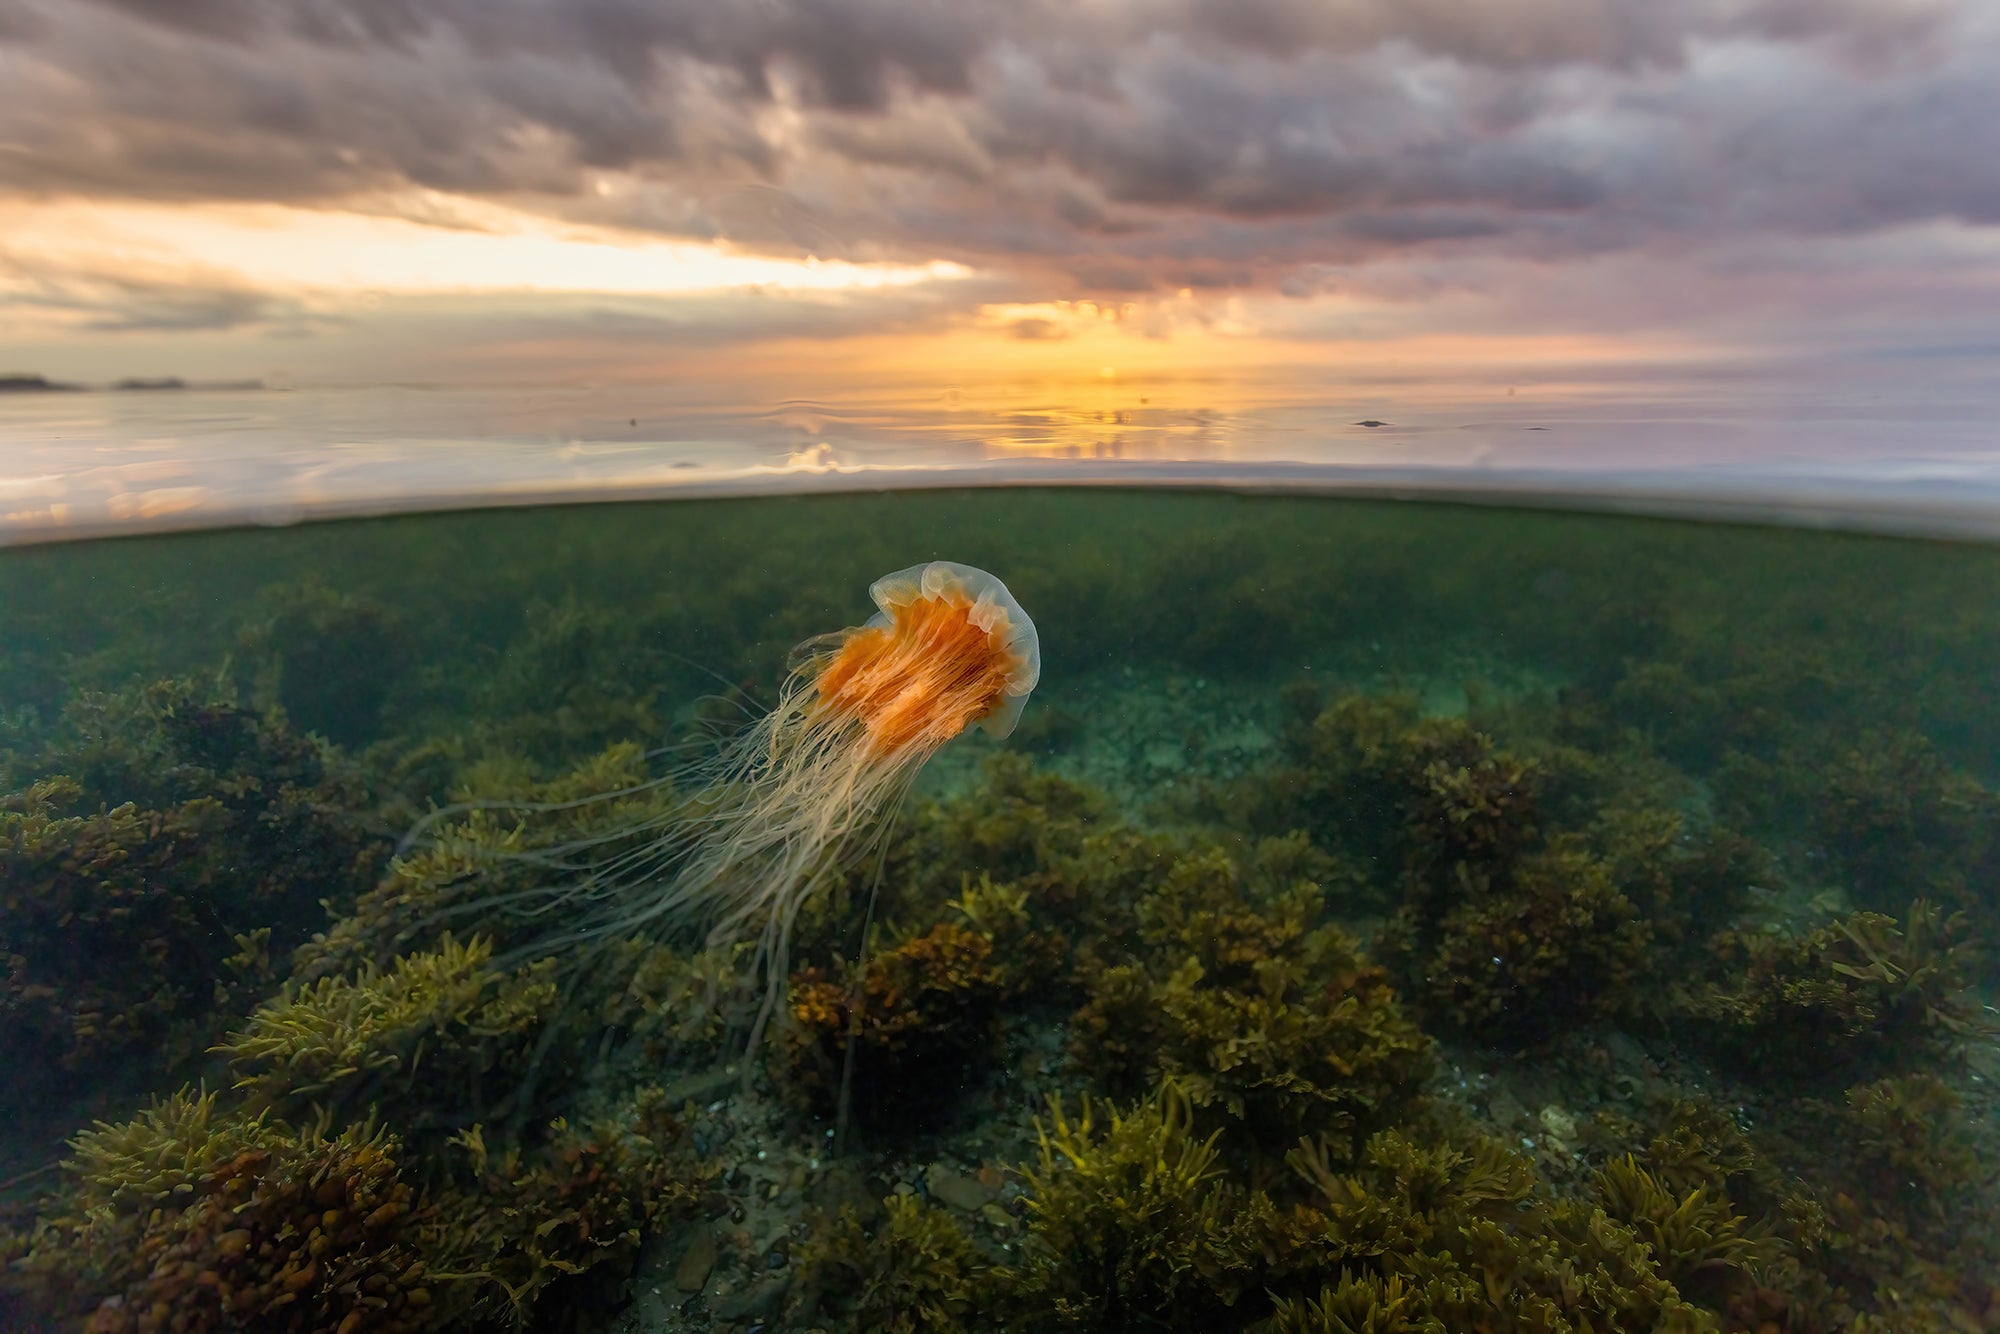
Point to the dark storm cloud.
(1123, 144)
(1533, 34)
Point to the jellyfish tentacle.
(794, 798)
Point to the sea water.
(1388, 915)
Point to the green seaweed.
(918, 1015)
(1859, 995)
(201, 1215)
(328, 659)
(188, 1218)
(914, 1272)
(1476, 1245)
(446, 1019)
(189, 842)
(1506, 927)
(1899, 822)
(1253, 1010)
(1131, 1224)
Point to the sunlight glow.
(486, 248)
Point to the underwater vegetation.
(914, 1270)
(327, 659)
(377, 1165)
(1132, 1224)
(1262, 1012)
(153, 878)
(1858, 996)
(1382, 920)
(1508, 924)
(918, 1017)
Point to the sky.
(504, 191)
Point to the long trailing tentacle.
(768, 819)
(785, 805)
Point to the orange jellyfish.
(800, 794)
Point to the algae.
(1386, 919)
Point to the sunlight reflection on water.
(87, 463)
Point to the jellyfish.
(800, 794)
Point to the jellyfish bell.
(948, 648)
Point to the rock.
(691, 1274)
(759, 1299)
(961, 1193)
(997, 1217)
(1507, 1114)
(1559, 1124)
(1625, 1051)
(845, 1186)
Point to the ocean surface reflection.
(88, 462)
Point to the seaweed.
(1514, 958)
(1475, 1243)
(132, 882)
(1859, 995)
(1909, 1226)
(1506, 927)
(174, 833)
(1358, 1304)
(1698, 1241)
(571, 683)
(1252, 1010)
(1913, 1155)
(1900, 823)
(436, 1021)
(1132, 1225)
(552, 1226)
(328, 659)
(1371, 778)
(914, 1272)
(919, 1016)
(201, 1215)
(462, 861)
(185, 1218)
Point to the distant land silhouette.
(23, 382)
(18, 383)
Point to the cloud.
(109, 299)
(1240, 108)
(1116, 149)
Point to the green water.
(1490, 918)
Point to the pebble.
(1559, 1129)
(759, 1299)
(960, 1192)
(691, 1274)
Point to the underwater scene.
(1001, 909)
